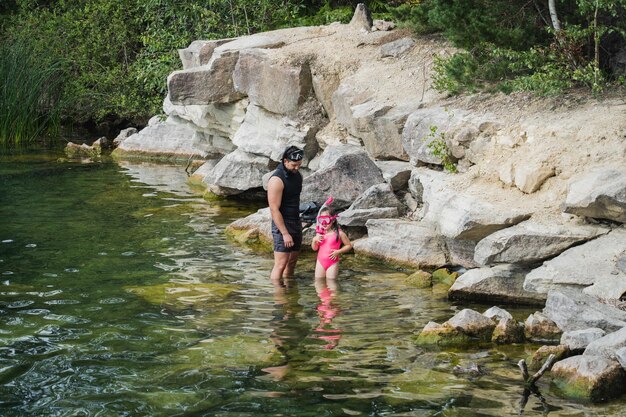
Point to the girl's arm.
(347, 245)
(315, 243)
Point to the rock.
(237, 172)
(211, 83)
(589, 377)
(362, 18)
(199, 52)
(172, 139)
(502, 283)
(578, 340)
(461, 252)
(583, 266)
(396, 173)
(466, 217)
(529, 177)
(252, 230)
(497, 314)
(508, 331)
(473, 324)
(359, 217)
(621, 357)
(73, 150)
(444, 276)
(124, 133)
(383, 25)
(541, 355)
(349, 176)
(396, 48)
(101, 144)
(218, 119)
(417, 133)
(376, 196)
(608, 345)
(539, 328)
(599, 193)
(278, 88)
(412, 243)
(420, 279)
(530, 242)
(369, 120)
(441, 335)
(268, 134)
(570, 309)
(324, 86)
(198, 176)
(331, 154)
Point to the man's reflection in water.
(287, 329)
(327, 310)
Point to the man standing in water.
(283, 196)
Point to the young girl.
(329, 245)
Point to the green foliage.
(511, 47)
(439, 147)
(31, 87)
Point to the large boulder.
(370, 121)
(347, 178)
(219, 119)
(211, 83)
(589, 378)
(237, 172)
(571, 310)
(278, 88)
(530, 242)
(502, 283)
(583, 266)
(268, 134)
(599, 193)
(172, 139)
(406, 242)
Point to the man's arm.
(275, 189)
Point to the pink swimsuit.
(327, 246)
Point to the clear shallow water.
(121, 296)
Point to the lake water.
(121, 296)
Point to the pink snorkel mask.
(322, 221)
(325, 220)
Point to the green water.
(121, 296)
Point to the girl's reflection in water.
(327, 310)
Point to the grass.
(30, 88)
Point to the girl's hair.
(334, 224)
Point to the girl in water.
(329, 245)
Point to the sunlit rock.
(599, 193)
(589, 378)
(539, 328)
(608, 345)
(578, 340)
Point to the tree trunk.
(555, 18)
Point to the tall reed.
(30, 90)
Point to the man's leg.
(281, 259)
(291, 264)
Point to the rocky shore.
(526, 195)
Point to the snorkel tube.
(318, 227)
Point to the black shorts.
(294, 227)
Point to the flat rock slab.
(583, 266)
(531, 242)
(571, 310)
(502, 283)
(402, 241)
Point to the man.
(283, 196)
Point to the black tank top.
(290, 203)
